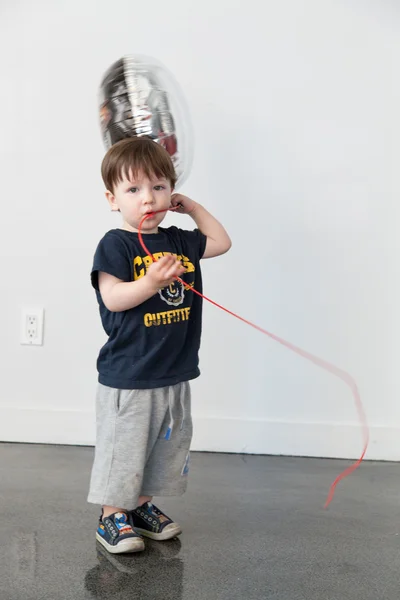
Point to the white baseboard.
(213, 434)
(41, 426)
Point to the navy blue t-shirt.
(155, 344)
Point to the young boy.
(153, 323)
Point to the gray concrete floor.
(254, 528)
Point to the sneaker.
(148, 520)
(117, 535)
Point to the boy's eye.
(133, 190)
(159, 187)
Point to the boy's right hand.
(164, 271)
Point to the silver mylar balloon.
(138, 97)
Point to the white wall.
(295, 108)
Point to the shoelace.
(319, 362)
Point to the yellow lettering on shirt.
(138, 269)
(167, 318)
(142, 263)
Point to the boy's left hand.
(185, 205)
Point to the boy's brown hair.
(129, 156)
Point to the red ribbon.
(319, 362)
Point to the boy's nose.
(148, 199)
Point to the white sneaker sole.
(171, 531)
(128, 545)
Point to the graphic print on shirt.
(173, 294)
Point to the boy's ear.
(111, 201)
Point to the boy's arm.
(218, 241)
(119, 295)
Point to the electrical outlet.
(32, 326)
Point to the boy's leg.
(123, 424)
(127, 429)
(144, 499)
(109, 510)
(167, 467)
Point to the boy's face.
(137, 196)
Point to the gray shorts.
(143, 440)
